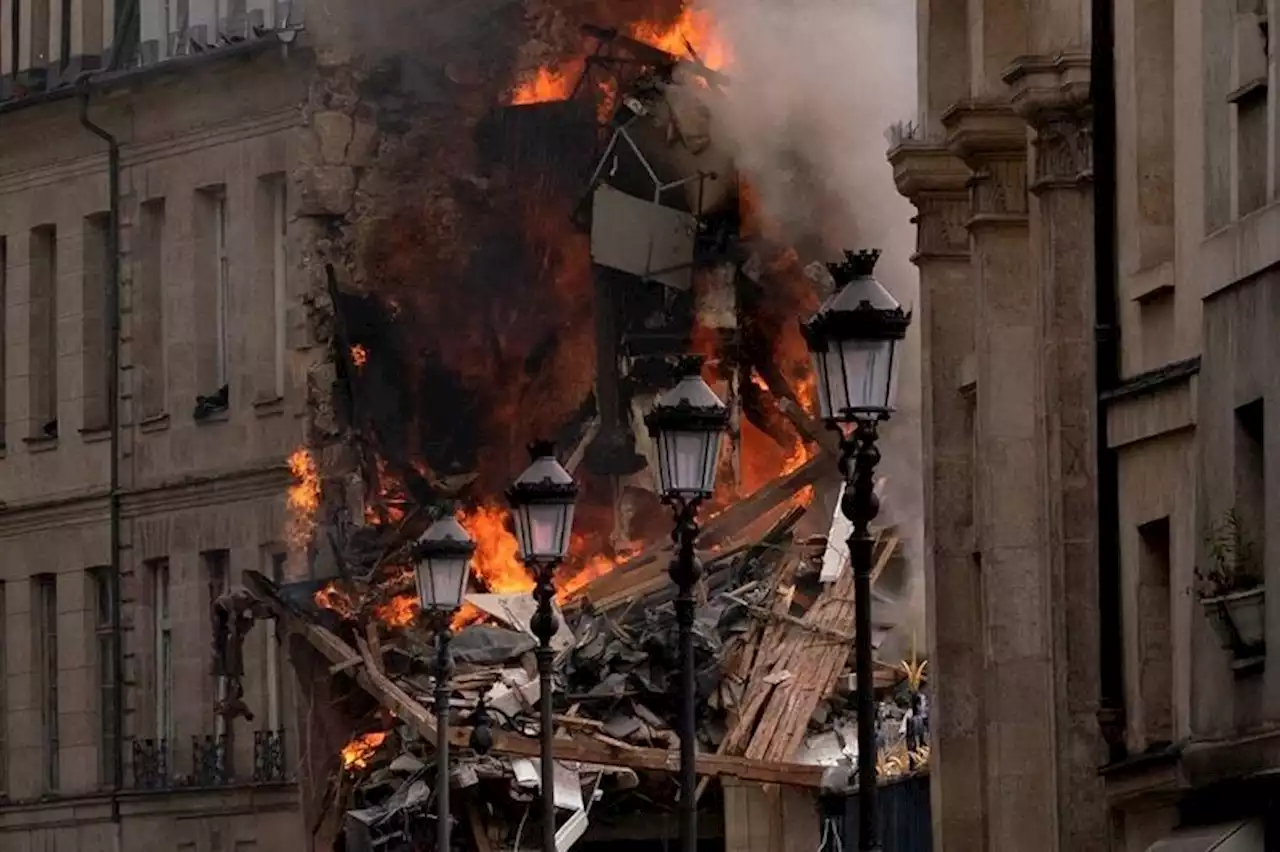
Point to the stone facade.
(1024, 580)
(202, 496)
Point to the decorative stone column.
(1017, 598)
(936, 182)
(1052, 94)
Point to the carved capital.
(941, 232)
(936, 182)
(1047, 85)
(1064, 152)
(920, 168)
(992, 140)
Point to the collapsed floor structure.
(592, 229)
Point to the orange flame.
(359, 355)
(356, 754)
(303, 498)
(546, 84)
(694, 28)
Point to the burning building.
(306, 277)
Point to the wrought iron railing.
(210, 761)
(268, 756)
(151, 764)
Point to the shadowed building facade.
(1096, 195)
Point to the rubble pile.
(773, 646)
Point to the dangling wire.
(830, 834)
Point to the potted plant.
(1232, 590)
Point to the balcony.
(212, 763)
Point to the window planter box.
(1239, 618)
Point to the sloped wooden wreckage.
(774, 630)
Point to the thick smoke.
(814, 86)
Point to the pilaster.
(1015, 591)
(1051, 93)
(937, 183)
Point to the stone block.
(325, 190)
(334, 131)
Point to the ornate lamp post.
(854, 341)
(687, 424)
(443, 564)
(542, 508)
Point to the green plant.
(1233, 568)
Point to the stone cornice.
(176, 495)
(1048, 87)
(921, 168)
(978, 131)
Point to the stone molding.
(133, 155)
(992, 140)
(1052, 95)
(186, 493)
(936, 182)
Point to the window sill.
(95, 435)
(219, 416)
(154, 423)
(1239, 250)
(41, 444)
(1255, 88)
(273, 407)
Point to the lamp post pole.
(860, 505)
(442, 565)
(687, 425)
(854, 339)
(542, 511)
(544, 627)
(685, 571)
(444, 670)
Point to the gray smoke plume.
(814, 84)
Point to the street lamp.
(542, 509)
(854, 341)
(442, 565)
(687, 424)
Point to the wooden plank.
(391, 696)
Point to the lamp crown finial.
(689, 366)
(856, 264)
(541, 448)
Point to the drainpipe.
(1111, 711)
(113, 423)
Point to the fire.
(359, 355)
(303, 498)
(356, 754)
(694, 28)
(496, 563)
(596, 566)
(547, 84)
(331, 597)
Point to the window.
(104, 623)
(1249, 95)
(275, 678)
(216, 573)
(148, 310)
(38, 58)
(4, 695)
(220, 280)
(1152, 88)
(44, 332)
(93, 277)
(64, 34)
(163, 632)
(1250, 477)
(1155, 633)
(212, 300)
(279, 231)
(15, 44)
(4, 280)
(270, 297)
(46, 647)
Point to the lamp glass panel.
(865, 369)
(441, 581)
